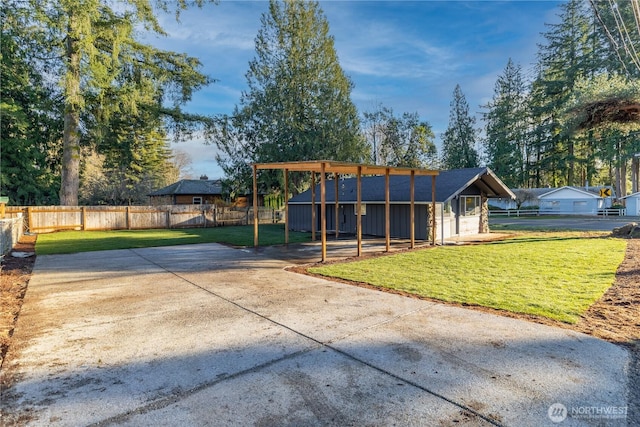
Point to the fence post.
(168, 218)
(128, 218)
(83, 222)
(204, 219)
(30, 217)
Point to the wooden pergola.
(323, 167)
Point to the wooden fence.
(44, 219)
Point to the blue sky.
(407, 55)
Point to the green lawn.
(66, 242)
(555, 275)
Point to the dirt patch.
(15, 273)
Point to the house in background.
(564, 200)
(576, 201)
(461, 204)
(525, 198)
(189, 192)
(632, 204)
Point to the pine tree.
(459, 140)
(29, 126)
(88, 44)
(506, 145)
(570, 52)
(297, 106)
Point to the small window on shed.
(197, 200)
(470, 205)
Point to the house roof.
(574, 189)
(537, 192)
(449, 184)
(191, 186)
(634, 195)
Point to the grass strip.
(66, 242)
(555, 275)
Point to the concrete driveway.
(209, 335)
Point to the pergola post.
(286, 206)
(412, 219)
(387, 211)
(433, 209)
(255, 206)
(323, 211)
(313, 206)
(337, 207)
(359, 209)
(325, 167)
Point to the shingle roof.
(448, 185)
(191, 186)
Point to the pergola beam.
(343, 168)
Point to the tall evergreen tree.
(506, 125)
(459, 140)
(297, 106)
(30, 124)
(88, 43)
(618, 30)
(570, 51)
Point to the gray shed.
(461, 204)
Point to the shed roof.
(191, 186)
(449, 184)
(633, 196)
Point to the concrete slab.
(210, 335)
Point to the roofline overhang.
(484, 187)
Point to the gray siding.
(373, 223)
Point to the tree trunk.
(70, 177)
(635, 175)
(572, 165)
(623, 179)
